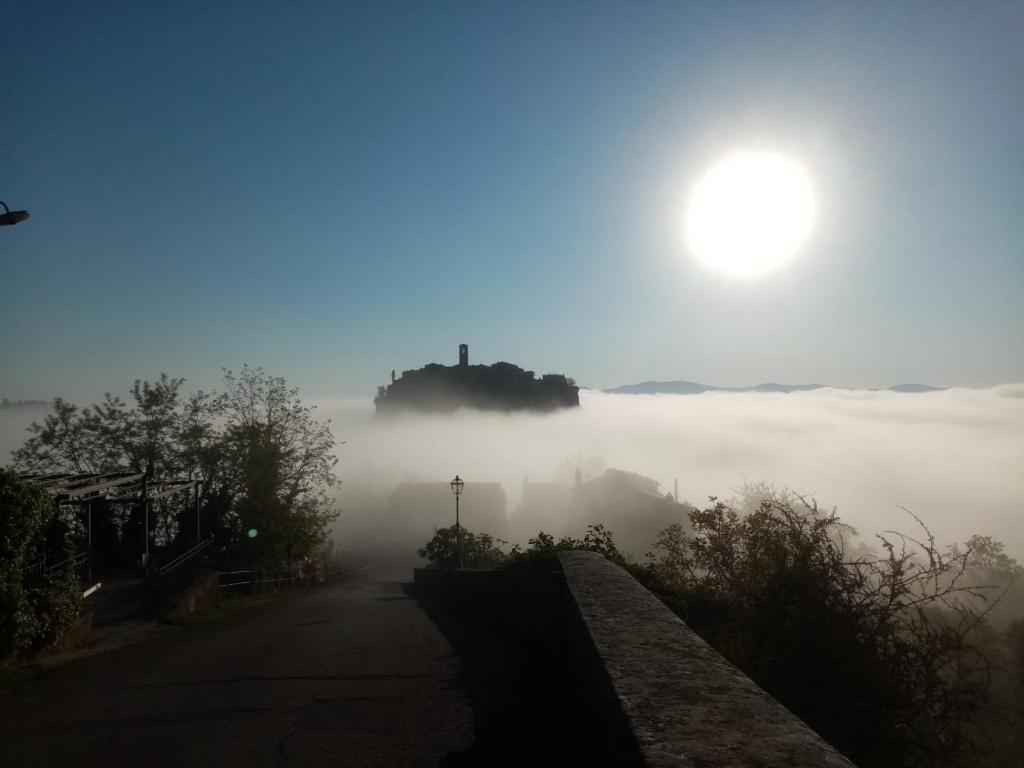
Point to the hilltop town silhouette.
(437, 388)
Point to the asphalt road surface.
(353, 673)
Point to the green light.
(253, 533)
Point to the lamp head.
(457, 484)
(9, 218)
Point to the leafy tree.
(34, 612)
(263, 459)
(280, 465)
(477, 550)
(159, 432)
(988, 556)
(110, 436)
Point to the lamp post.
(9, 218)
(457, 485)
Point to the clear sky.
(332, 190)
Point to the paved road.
(349, 674)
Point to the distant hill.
(915, 388)
(5, 403)
(693, 388)
(499, 387)
(661, 388)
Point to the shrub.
(544, 548)
(37, 614)
(885, 654)
(477, 550)
(875, 652)
(483, 550)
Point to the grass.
(222, 610)
(46, 662)
(41, 665)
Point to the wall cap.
(685, 704)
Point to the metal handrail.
(256, 580)
(184, 557)
(79, 558)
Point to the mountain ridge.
(681, 387)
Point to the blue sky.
(333, 190)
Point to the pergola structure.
(81, 490)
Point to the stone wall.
(201, 594)
(527, 602)
(653, 692)
(683, 703)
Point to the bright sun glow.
(750, 213)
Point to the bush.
(543, 550)
(32, 615)
(477, 551)
(875, 652)
(482, 551)
(885, 654)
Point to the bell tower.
(463, 355)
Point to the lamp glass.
(457, 484)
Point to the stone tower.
(463, 355)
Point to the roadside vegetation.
(264, 461)
(36, 607)
(900, 654)
(222, 609)
(265, 464)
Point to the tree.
(263, 460)
(111, 436)
(989, 556)
(476, 550)
(154, 433)
(36, 607)
(280, 465)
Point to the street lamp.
(9, 218)
(457, 485)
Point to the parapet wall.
(683, 703)
(653, 692)
(525, 600)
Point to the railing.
(241, 583)
(35, 571)
(172, 578)
(39, 570)
(184, 557)
(277, 580)
(236, 583)
(78, 562)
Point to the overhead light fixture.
(9, 218)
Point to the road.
(353, 673)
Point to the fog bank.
(955, 458)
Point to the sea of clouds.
(955, 458)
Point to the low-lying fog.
(955, 458)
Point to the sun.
(750, 213)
